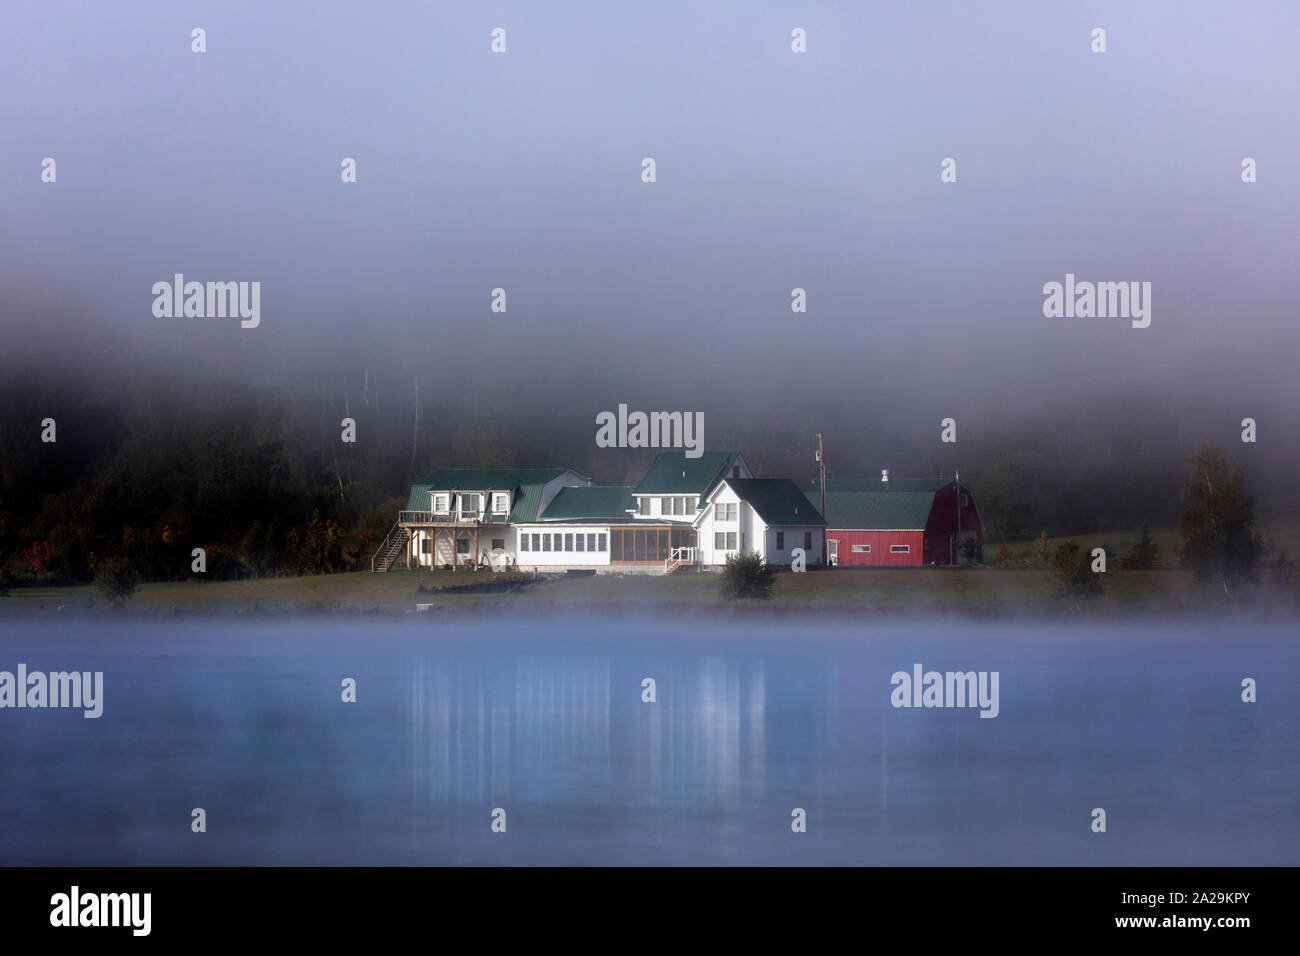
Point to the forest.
(255, 470)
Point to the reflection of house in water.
(550, 729)
(704, 740)
(488, 728)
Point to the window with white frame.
(546, 542)
(862, 549)
(581, 542)
(690, 505)
(602, 543)
(499, 500)
(724, 541)
(537, 542)
(568, 542)
(469, 504)
(441, 503)
(643, 505)
(724, 511)
(591, 542)
(900, 549)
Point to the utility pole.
(956, 477)
(821, 464)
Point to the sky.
(775, 170)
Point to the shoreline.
(978, 594)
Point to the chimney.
(884, 474)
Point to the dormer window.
(499, 501)
(441, 503)
(469, 504)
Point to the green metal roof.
(527, 499)
(672, 473)
(525, 483)
(591, 503)
(876, 510)
(777, 500)
(419, 498)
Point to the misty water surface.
(545, 720)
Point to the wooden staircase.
(394, 547)
(679, 558)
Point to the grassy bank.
(980, 592)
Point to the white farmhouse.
(769, 517)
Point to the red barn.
(909, 522)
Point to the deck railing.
(678, 557)
(450, 517)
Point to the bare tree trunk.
(415, 431)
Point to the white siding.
(558, 559)
(708, 525)
(794, 535)
(752, 533)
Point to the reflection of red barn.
(906, 522)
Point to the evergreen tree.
(1145, 553)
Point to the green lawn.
(983, 592)
(1282, 535)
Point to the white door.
(833, 555)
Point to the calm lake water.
(545, 720)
